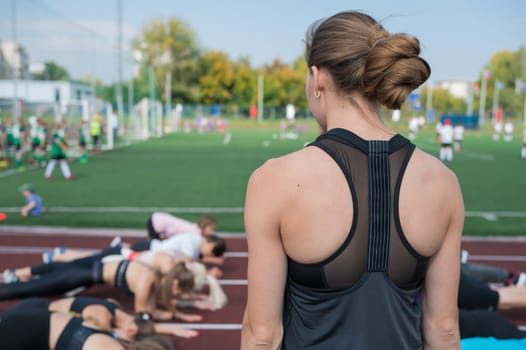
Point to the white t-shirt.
(413, 124)
(446, 134)
(187, 244)
(508, 128)
(458, 132)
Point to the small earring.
(317, 93)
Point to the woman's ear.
(315, 71)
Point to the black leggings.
(25, 325)
(474, 294)
(484, 323)
(56, 278)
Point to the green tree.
(506, 67)
(284, 84)
(244, 90)
(442, 102)
(171, 47)
(52, 71)
(217, 78)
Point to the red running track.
(219, 330)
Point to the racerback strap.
(379, 206)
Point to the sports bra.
(75, 335)
(344, 268)
(80, 303)
(120, 277)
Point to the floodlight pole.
(495, 98)
(14, 75)
(260, 98)
(429, 102)
(168, 93)
(119, 58)
(470, 100)
(482, 108)
(130, 97)
(92, 68)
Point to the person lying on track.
(108, 313)
(29, 325)
(474, 294)
(188, 247)
(137, 279)
(162, 261)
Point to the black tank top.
(365, 295)
(75, 335)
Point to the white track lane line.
(6, 230)
(207, 326)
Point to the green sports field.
(193, 174)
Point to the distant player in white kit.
(413, 127)
(523, 152)
(458, 136)
(446, 141)
(497, 130)
(438, 127)
(508, 130)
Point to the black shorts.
(445, 145)
(141, 246)
(59, 157)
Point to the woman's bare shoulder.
(291, 163)
(431, 168)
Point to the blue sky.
(458, 37)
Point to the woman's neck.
(358, 116)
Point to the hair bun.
(393, 69)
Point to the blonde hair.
(199, 271)
(217, 297)
(362, 56)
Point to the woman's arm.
(267, 263)
(170, 329)
(144, 291)
(27, 208)
(440, 292)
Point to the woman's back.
(315, 193)
(354, 262)
(354, 243)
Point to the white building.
(5, 69)
(456, 88)
(46, 91)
